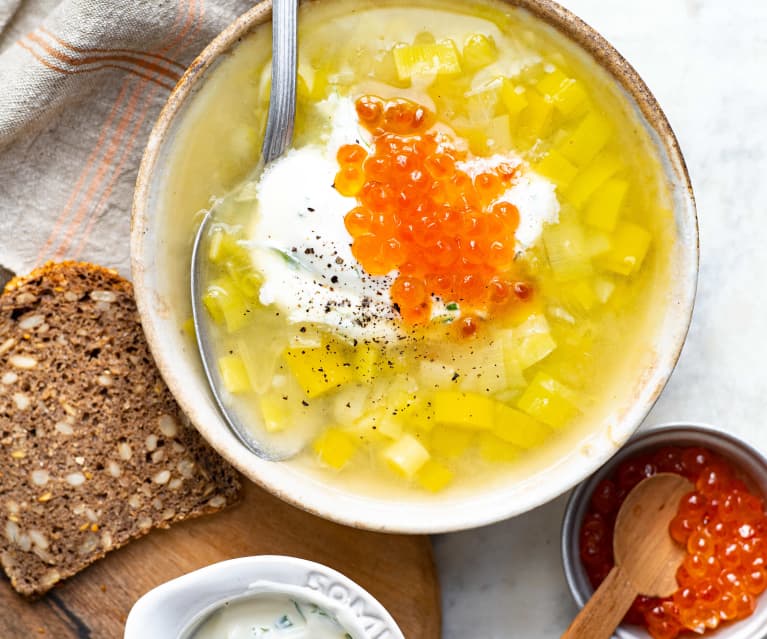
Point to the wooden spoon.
(646, 557)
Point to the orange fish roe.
(722, 525)
(446, 233)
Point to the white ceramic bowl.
(574, 458)
(174, 609)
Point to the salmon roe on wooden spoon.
(448, 234)
(722, 525)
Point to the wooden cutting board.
(398, 570)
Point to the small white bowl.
(175, 609)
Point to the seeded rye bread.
(94, 451)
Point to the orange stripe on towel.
(93, 215)
(122, 59)
(101, 172)
(134, 52)
(100, 67)
(95, 153)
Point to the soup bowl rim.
(428, 514)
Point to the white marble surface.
(706, 61)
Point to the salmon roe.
(722, 525)
(447, 233)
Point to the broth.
(463, 384)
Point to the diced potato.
(475, 136)
(406, 456)
(551, 81)
(426, 59)
(588, 139)
(518, 313)
(420, 416)
(221, 246)
(567, 94)
(591, 178)
(319, 370)
(308, 338)
(401, 393)
(366, 361)
(597, 243)
(479, 50)
(261, 362)
(389, 427)
(557, 168)
(274, 411)
(450, 442)
(366, 426)
(557, 312)
(481, 367)
(335, 448)
(245, 278)
(513, 97)
(435, 373)
(515, 427)
(385, 70)
(567, 251)
(498, 133)
(605, 205)
(483, 103)
(548, 401)
(226, 305)
(495, 449)
(463, 410)
(434, 476)
(603, 289)
(514, 377)
(630, 243)
(349, 403)
(449, 95)
(531, 341)
(234, 375)
(535, 119)
(582, 294)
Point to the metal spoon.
(277, 138)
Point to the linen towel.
(81, 84)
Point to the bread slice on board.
(94, 450)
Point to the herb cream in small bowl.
(273, 597)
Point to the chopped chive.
(298, 610)
(284, 622)
(289, 259)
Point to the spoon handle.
(282, 98)
(603, 612)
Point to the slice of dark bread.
(94, 450)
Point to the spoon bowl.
(646, 557)
(280, 120)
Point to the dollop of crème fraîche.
(389, 222)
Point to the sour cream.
(301, 247)
(270, 617)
